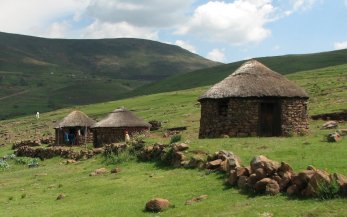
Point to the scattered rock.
(196, 199)
(99, 172)
(334, 137)
(70, 161)
(329, 125)
(116, 170)
(61, 196)
(157, 205)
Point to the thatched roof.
(76, 119)
(253, 79)
(121, 118)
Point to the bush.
(120, 157)
(328, 191)
(176, 138)
(31, 162)
(4, 165)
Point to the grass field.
(126, 193)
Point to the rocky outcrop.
(157, 205)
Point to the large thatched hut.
(76, 125)
(253, 101)
(112, 128)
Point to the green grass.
(126, 193)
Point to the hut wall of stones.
(59, 136)
(241, 117)
(294, 116)
(108, 135)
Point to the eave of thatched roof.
(253, 79)
(76, 119)
(121, 118)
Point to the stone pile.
(47, 141)
(30, 143)
(46, 153)
(313, 182)
(224, 161)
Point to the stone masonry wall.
(241, 118)
(294, 116)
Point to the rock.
(252, 179)
(329, 125)
(197, 161)
(260, 186)
(196, 199)
(293, 190)
(301, 179)
(284, 180)
(61, 196)
(334, 137)
(157, 205)
(263, 162)
(177, 159)
(98, 150)
(260, 173)
(310, 167)
(342, 132)
(242, 171)
(155, 125)
(213, 164)
(70, 161)
(99, 171)
(116, 170)
(285, 167)
(232, 179)
(342, 182)
(272, 188)
(180, 147)
(233, 161)
(320, 178)
(242, 182)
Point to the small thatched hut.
(253, 101)
(76, 124)
(112, 128)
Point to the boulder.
(260, 173)
(252, 179)
(116, 170)
(342, 132)
(319, 179)
(260, 186)
(61, 196)
(157, 205)
(334, 137)
(196, 199)
(302, 179)
(293, 190)
(242, 182)
(197, 161)
(99, 172)
(242, 171)
(342, 182)
(180, 147)
(272, 188)
(213, 164)
(269, 166)
(98, 150)
(70, 161)
(329, 125)
(232, 179)
(285, 167)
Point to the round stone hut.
(253, 101)
(112, 128)
(75, 125)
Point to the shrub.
(30, 162)
(120, 157)
(328, 191)
(176, 138)
(4, 165)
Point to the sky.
(224, 31)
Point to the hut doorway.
(270, 119)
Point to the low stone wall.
(294, 116)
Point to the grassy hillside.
(33, 192)
(38, 74)
(283, 64)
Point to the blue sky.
(224, 31)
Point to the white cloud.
(216, 55)
(116, 30)
(149, 13)
(340, 45)
(237, 23)
(186, 45)
(303, 4)
(35, 16)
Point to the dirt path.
(15, 94)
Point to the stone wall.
(294, 116)
(241, 117)
(111, 135)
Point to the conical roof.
(253, 79)
(76, 119)
(121, 118)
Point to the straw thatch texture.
(253, 79)
(75, 119)
(121, 118)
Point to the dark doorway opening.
(270, 119)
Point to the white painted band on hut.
(113, 128)
(253, 101)
(74, 129)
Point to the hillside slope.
(38, 74)
(283, 64)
